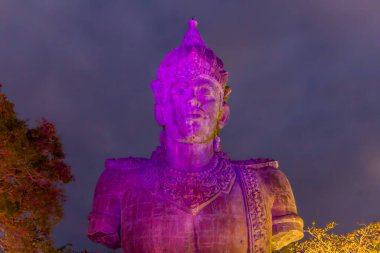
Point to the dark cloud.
(305, 79)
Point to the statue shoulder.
(120, 173)
(258, 163)
(267, 169)
(125, 164)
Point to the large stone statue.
(189, 196)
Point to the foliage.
(68, 249)
(32, 173)
(363, 240)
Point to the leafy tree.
(32, 175)
(363, 240)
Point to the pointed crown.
(192, 59)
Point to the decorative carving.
(255, 209)
(190, 191)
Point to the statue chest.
(152, 224)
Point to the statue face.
(193, 111)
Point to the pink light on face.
(190, 89)
(192, 111)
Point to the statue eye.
(204, 92)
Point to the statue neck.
(188, 156)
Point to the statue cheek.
(212, 111)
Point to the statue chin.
(190, 135)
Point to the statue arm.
(104, 219)
(287, 226)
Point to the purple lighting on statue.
(189, 196)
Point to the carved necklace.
(190, 191)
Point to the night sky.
(305, 79)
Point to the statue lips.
(197, 114)
(192, 119)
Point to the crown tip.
(193, 23)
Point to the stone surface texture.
(189, 196)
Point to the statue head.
(191, 91)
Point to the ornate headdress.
(192, 59)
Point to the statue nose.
(193, 101)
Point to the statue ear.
(159, 114)
(225, 116)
